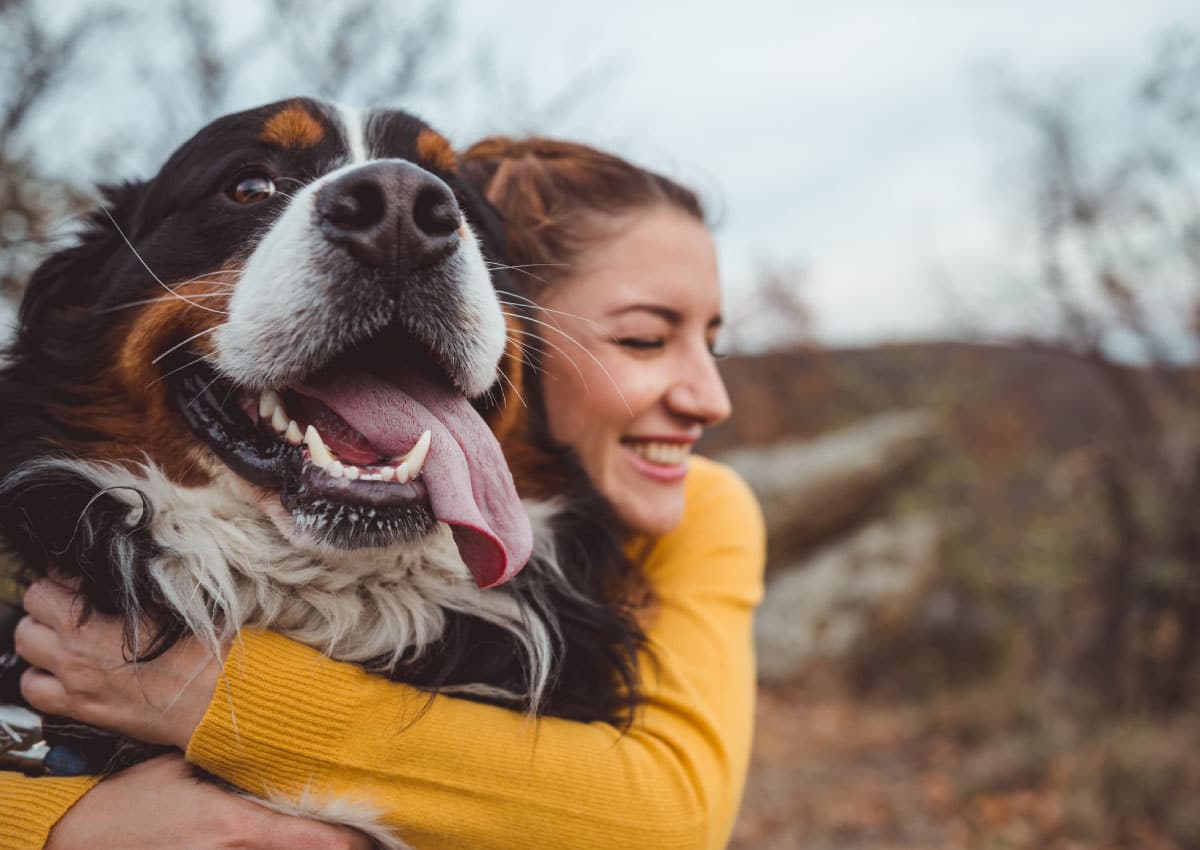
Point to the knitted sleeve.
(29, 807)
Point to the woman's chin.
(648, 506)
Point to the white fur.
(337, 810)
(353, 124)
(490, 333)
(224, 565)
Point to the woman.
(624, 271)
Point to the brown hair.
(555, 196)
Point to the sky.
(862, 143)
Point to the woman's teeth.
(664, 454)
(402, 470)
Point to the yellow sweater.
(455, 773)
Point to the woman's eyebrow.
(665, 313)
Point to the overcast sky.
(862, 141)
(858, 139)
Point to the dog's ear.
(71, 278)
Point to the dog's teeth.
(387, 473)
(402, 473)
(279, 420)
(415, 459)
(292, 434)
(351, 472)
(268, 403)
(335, 469)
(316, 448)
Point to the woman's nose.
(699, 393)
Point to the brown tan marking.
(508, 417)
(434, 150)
(129, 407)
(536, 474)
(291, 128)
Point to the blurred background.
(961, 250)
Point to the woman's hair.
(558, 199)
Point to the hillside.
(993, 395)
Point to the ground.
(834, 772)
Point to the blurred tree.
(43, 47)
(181, 63)
(1117, 243)
(37, 59)
(773, 315)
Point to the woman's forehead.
(662, 257)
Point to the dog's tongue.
(470, 486)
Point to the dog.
(270, 386)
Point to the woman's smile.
(662, 459)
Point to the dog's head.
(297, 306)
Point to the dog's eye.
(252, 189)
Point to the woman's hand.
(160, 803)
(80, 671)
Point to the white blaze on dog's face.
(332, 319)
(299, 301)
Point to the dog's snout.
(390, 214)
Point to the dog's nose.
(390, 214)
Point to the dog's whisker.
(128, 304)
(524, 349)
(228, 395)
(203, 358)
(502, 266)
(585, 350)
(180, 345)
(525, 270)
(542, 309)
(206, 276)
(560, 350)
(503, 395)
(150, 271)
(516, 392)
(203, 391)
(521, 346)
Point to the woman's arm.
(452, 773)
(153, 805)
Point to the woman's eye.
(642, 343)
(253, 189)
